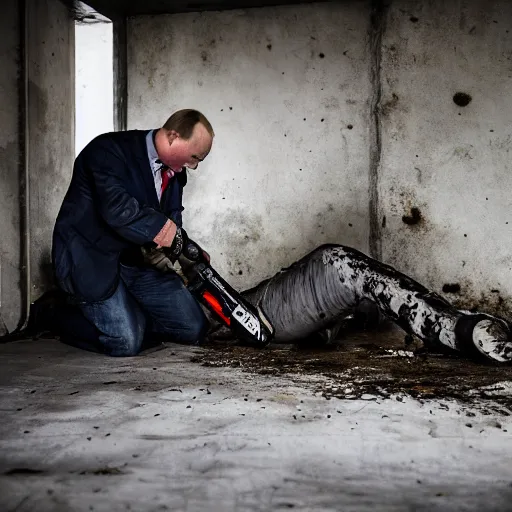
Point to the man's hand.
(172, 238)
(156, 258)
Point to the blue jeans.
(146, 301)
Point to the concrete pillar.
(50, 53)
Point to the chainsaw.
(248, 323)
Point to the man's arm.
(120, 210)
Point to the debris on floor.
(371, 363)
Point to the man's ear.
(173, 135)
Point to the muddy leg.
(419, 311)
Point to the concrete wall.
(452, 163)
(275, 185)
(287, 91)
(51, 122)
(94, 97)
(10, 293)
(51, 113)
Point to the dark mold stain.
(462, 99)
(384, 221)
(350, 126)
(269, 47)
(413, 218)
(321, 55)
(240, 272)
(451, 288)
(388, 106)
(23, 471)
(414, 19)
(204, 56)
(103, 471)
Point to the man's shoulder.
(124, 136)
(122, 142)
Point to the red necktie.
(165, 179)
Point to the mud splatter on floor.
(373, 365)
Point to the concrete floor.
(81, 431)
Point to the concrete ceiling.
(119, 8)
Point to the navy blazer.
(111, 205)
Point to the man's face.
(187, 153)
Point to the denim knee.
(196, 330)
(128, 344)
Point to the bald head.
(182, 144)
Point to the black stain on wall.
(321, 55)
(414, 19)
(451, 288)
(462, 99)
(413, 218)
(269, 47)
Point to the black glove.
(157, 258)
(179, 241)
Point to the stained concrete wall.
(51, 114)
(287, 92)
(452, 163)
(51, 126)
(435, 174)
(10, 293)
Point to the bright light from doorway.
(94, 100)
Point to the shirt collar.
(154, 161)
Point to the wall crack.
(377, 27)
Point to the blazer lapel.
(141, 155)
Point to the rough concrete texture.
(287, 92)
(10, 151)
(449, 162)
(94, 113)
(51, 113)
(85, 432)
